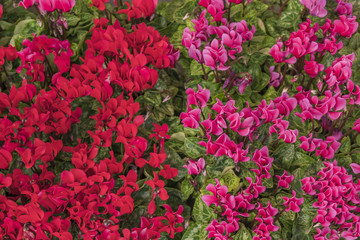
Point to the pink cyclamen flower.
(214, 7)
(284, 180)
(279, 55)
(275, 78)
(200, 98)
(191, 118)
(50, 5)
(312, 68)
(219, 192)
(344, 8)
(328, 148)
(285, 104)
(215, 56)
(316, 7)
(356, 125)
(355, 167)
(293, 203)
(346, 26)
(194, 168)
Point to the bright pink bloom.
(330, 45)
(219, 192)
(355, 167)
(293, 203)
(214, 7)
(356, 125)
(316, 7)
(346, 27)
(354, 93)
(312, 68)
(284, 180)
(200, 98)
(275, 78)
(195, 167)
(100, 4)
(285, 104)
(191, 118)
(328, 148)
(255, 188)
(344, 7)
(279, 55)
(307, 143)
(215, 56)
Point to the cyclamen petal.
(355, 167)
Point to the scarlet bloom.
(140, 8)
(1, 10)
(100, 4)
(168, 172)
(157, 187)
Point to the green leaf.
(304, 222)
(343, 159)
(355, 41)
(230, 179)
(201, 212)
(180, 13)
(270, 93)
(196, 69)
(302, 159)
(186, 188)
(284, 155)
(345, 145)
(261, 25)
(192, 148)
(195, 231)
(243, 233)
(153, 97)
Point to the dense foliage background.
(114, 126)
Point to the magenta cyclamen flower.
(328, 148)
(50, 5)
(344, 8)
(216, 230)
(285, 104)
(312, 68)
(219, 192)
(293, 203)
(355, 167)
(356, 125)
(275, 78)
(284, 180)
(200, 98)
(255, 188)
(214, 7)
(195, 167)
(215, 56)
(316, 7)
(346, 26)
(279, 55)
(191, 118)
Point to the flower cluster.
(36, 55)
(37, 133)
(337, 198)
(49, 6)
(221, 41)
